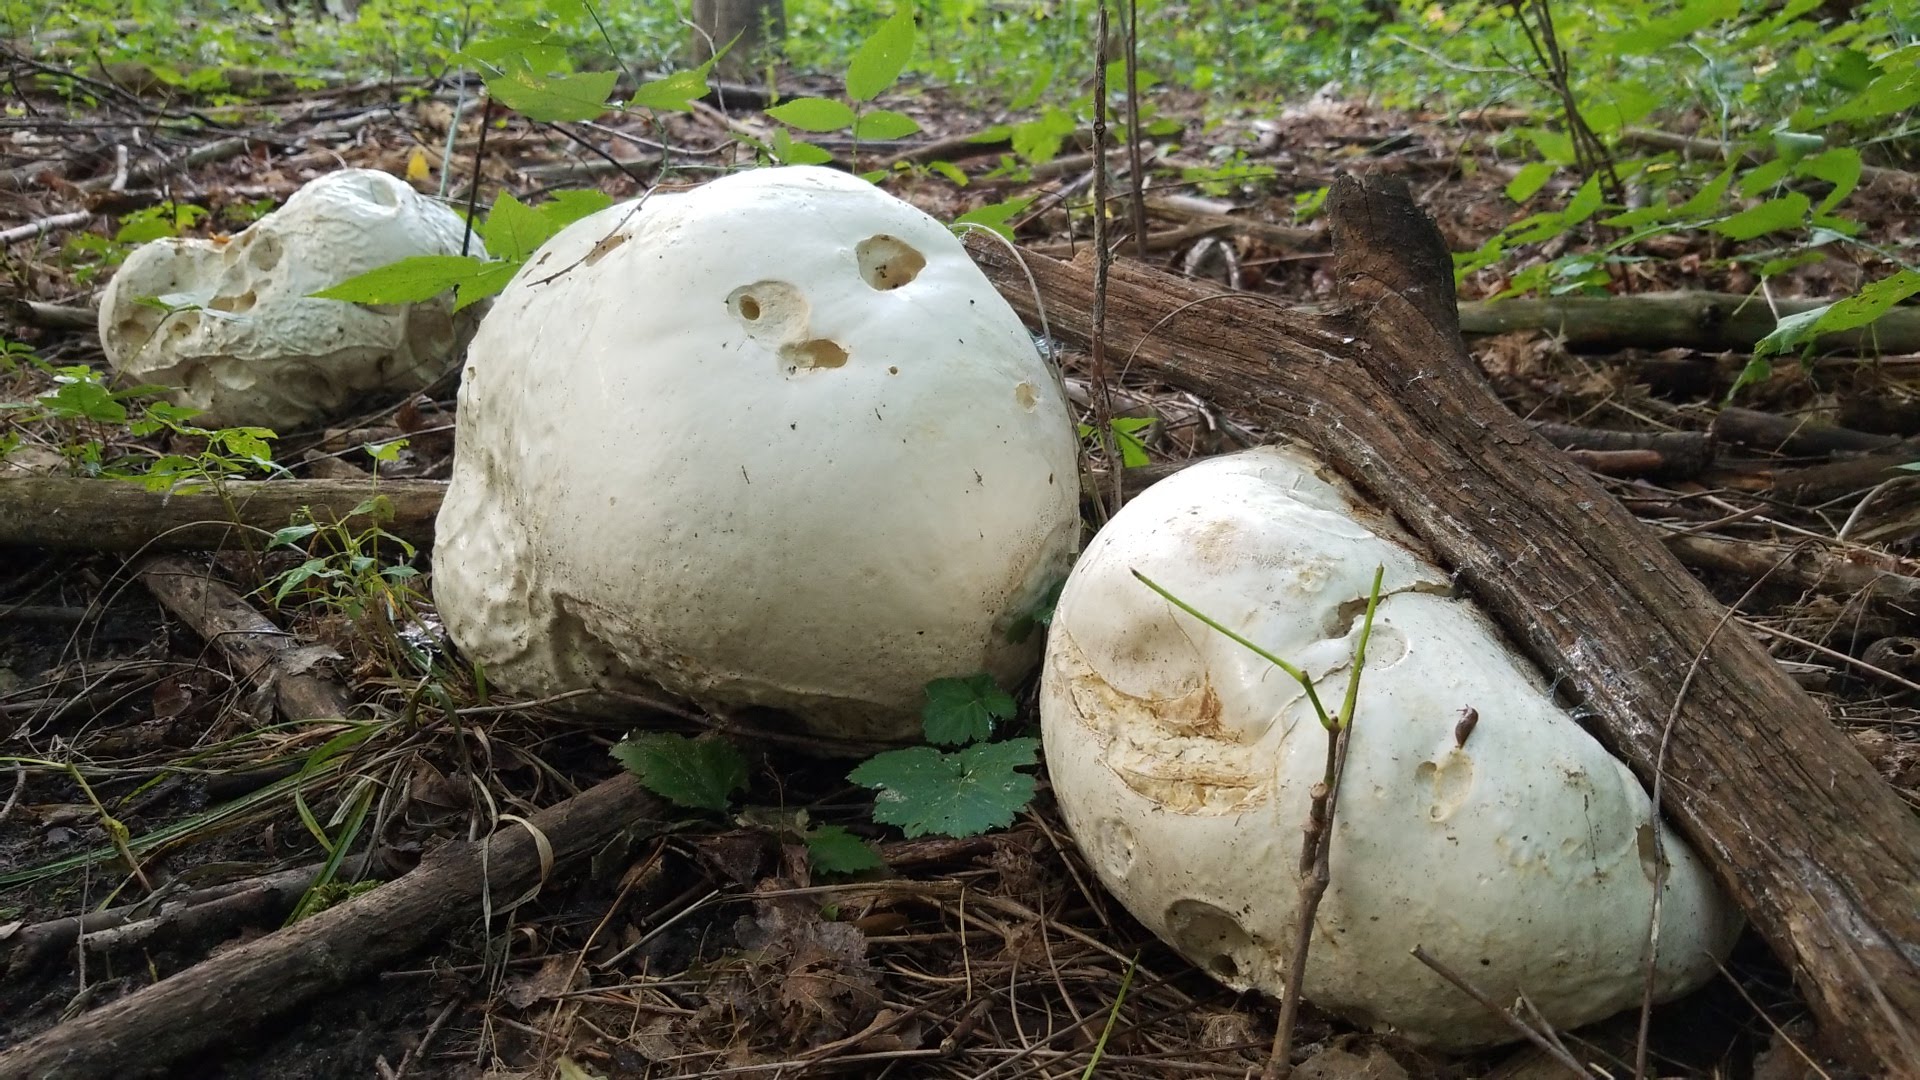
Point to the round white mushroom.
(236, 333)
(1476, 818)
(775, 441)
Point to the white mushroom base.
(1521, 858)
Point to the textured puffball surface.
(1183, 763)
(775, 441)
(254, 347)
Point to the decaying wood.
(1712, 322)
(1671, 453)
(109, 515)
(1285, 237)
(1795, 435)
(209, 1004)
(264, 654)
(1805, 835)
(1857, 573)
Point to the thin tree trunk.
(751, 25)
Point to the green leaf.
(996, 215)
(790, 151)
(813, 114)
(513, 229)
(1039, 141)
(1707, 200)
(675, 93)
(960, 711)
(1655, 34)
(1529, 180)
(1839, 167)
(552, 98)
(963, 793)
(1553, 146)
(1785, 212)
(949, 170)
(881, 58)
(408, 281)
(492, 278)
(1126, 435)
(700, 774)
(833, 850)
(566, 207)
(83, 399)
(1870, 302)
(1764, 177)
(1584, 204)
(884, 124)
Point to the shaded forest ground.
(694, 948)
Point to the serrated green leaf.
(1530, 179)
(960, 711)
(1869, 303)
(564, 208)
(513, 229)
(996, 215)
(1788, 334)
(553, 98)
(963, 793)
(408, 281)
(700, 774)
(489, 281)
(884, 124)
(831, 849)
(1585, 203)
(813, 114)
(880, 59)
(1840, 167)
(1764, 177)
(791, 151)
(1707, 200)
(949, 170)
(1786, 212)
(675, 93)
(1553, 146)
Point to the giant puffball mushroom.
(1476, 818)
(236, 333)
(774, 441)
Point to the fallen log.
(212, 1002)
(1707, 321)
(1820, 853)
(111, 515)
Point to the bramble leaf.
(833, 850)
(408, 281)
(813, 114)
(960, 711)
(881, 58)
(963, 793)
(700, 774)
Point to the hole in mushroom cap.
(816, 353)
(888, 262)
(264, 253)
(242, 302)
(749, 308)
(1025, 395)
(1211, 936)
(772, 310)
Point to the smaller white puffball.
(241, 339)
(1514, 848)
(775, 441)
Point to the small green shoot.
(1113, 1019)
(1298, 675)
(697, 774)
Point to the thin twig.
(1135, 174)
(1102, 263)
(1525, 1029)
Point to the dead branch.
(1711, 322)
(264, 654)
(1387, 393)
(1797, 436)
(213, 1002)
(110, 515)
(44, 226)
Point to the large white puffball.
(1515, 849)
(238, 336)
(774, 441)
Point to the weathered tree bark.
(1688, 320)
(1807, 838)
(211, 1002)
(110, 515)
(264, 654)
(755, 23)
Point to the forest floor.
(688, 949)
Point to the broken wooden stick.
(1712, 322)
(112, 515)
(1806, 837)
(264, 654)
(212, 1002)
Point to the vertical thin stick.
(1103, 260)
(1133, 132)
(479, 158)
